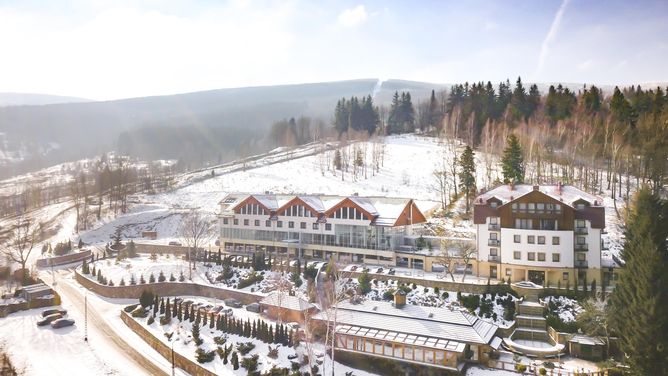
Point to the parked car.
(231, 302)
(253, 307)
(391, 271)
(52, 311)
(49, 319)
(379, 270)
(353, 268)
(61, 323)
(226, 312)
(175, 243)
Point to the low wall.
(166, 289)
(160, 249)
(64, 259)
(444, 285)
(7, 309)
(180, 361)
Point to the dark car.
(61, 323)
(391, 272)
(48, 319)
(52, 311)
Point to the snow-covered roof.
(441, 323)
(385, 211)
(286, 301)
(568, 194)
(586, 340)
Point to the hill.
(30, 99)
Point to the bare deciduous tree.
(20, 244)
(195, 231)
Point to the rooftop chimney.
(511, 186)
(559, 188)
(399, 298)
(536, 187)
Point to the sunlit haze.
(116, 49)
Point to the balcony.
(494, 227)
(494, 242)
(581, 247)
(581, 264)
(494, 258)
(581, 231)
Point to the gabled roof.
(566, 194)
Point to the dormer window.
(579, 206)
(493, 204)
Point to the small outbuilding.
(35, 291)
(287, 307)
(586, 347)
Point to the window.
(246, 222)
(509, 272)
(493, 251)
(279, 224)
(328, 226)
(493, 236)
(556, 257)
(540, 207)
(565, 276)
(493, 220)
(514, 206)
(531, 239)
(580, 223)
(531, 256)
(548, 224)
(517, 255)
(257, 223)
(315, 226)
(291, 224)
(531, 207)
(302, 225)
(517, 238)
(581, 256)
(492, 271)
(493, 204)
(541, 256)
(523, 223)
(225, 221)
(236, 222)
(541, 240)
(580, 206)
(555, 240)
(267, 223)
(523, 207)
(581, 240)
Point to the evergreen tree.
(161, 277)
(638, 309)
(168, 310)
(156, 305)
(179, 312)
(513, 161)
(171, 277)
(235, 360)
(141, 279)
(84, 267)
(162, 306)
(467, 175)
(122, 282)
(212, 321)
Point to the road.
(96, 320)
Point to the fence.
(64, 259)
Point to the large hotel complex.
(548, 234)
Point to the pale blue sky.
(113, 49)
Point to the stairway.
(530, 336)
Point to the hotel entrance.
(537, 277)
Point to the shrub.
(437, 291)
(181, 277)
(172, 278)
(542, 371)
(164, 320)
(151, 278)
(521, 368)
(388, 294)
(139, 312)
(364, 282)
(250, 363)
(220, 340)
(235, 360)
(146, 298)
(161, 277)
(414, 286)
(445, 295)
(296, 279)
(471, 302)
(250, 279)
(486, 308)
(561, 326)
(273, 352)
(130, 308)
(245, 347)
(150, 320)
(204, 356)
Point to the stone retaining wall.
(166, 289)
(6, 309)
(444, 285)
(180, 361)
(160, 249)
(64, 259)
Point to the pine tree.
(467, 175)
(156, 305)
(168, 310)
(84, 267)
(161, 277)
(513, 161)
(212, 321)
(162, 305)
(638, 309)
(171, 277)
(151, 278)
(122, 282)
(141, 279)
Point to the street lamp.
(173, 357)
(86, 317)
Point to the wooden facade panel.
(410, 215)
(566, 219)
